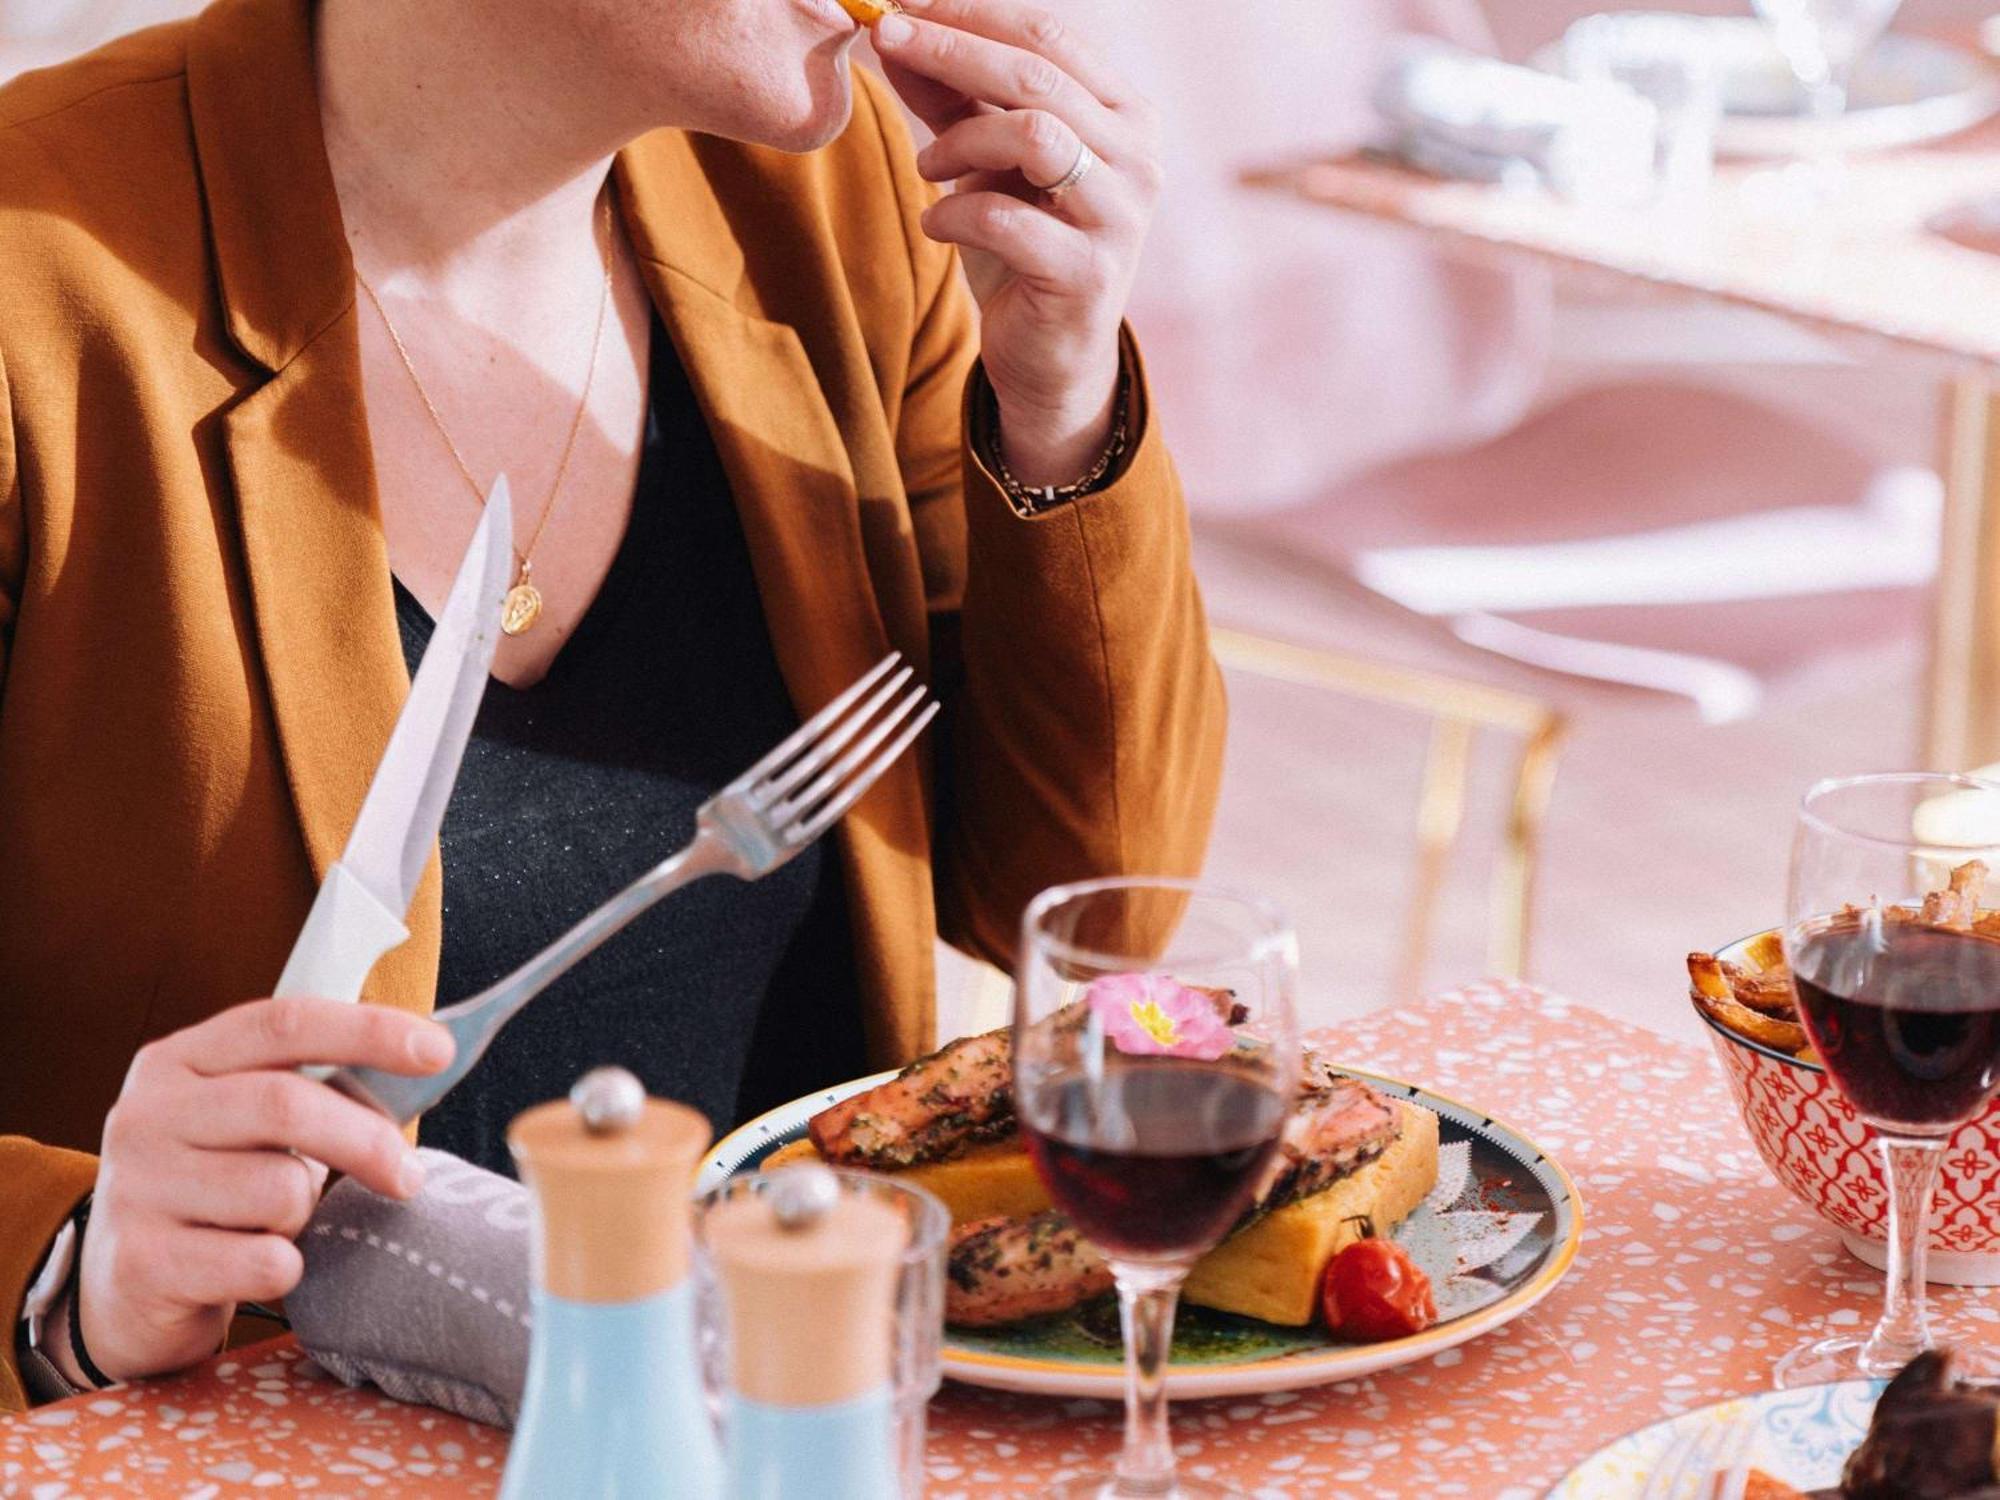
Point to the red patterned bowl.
(1815, 1144)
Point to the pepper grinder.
(613, 1405)
(808, 1274)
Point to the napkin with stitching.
(426, 1299)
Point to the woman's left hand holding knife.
(1015, 97)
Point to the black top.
(727, 996)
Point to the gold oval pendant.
(523, 608)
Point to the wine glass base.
(1833, 1359)
(1105, 1487)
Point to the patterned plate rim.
(1664, 1424)
(1308, 1367)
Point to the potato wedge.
(1705, 969)
(1767, 992)
(1769, 1031)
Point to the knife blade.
(358, 914)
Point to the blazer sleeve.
(39, 1185)
(1085, 713)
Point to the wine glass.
(1156, 1057)
(1821, 41)
(1900, 995)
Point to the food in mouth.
(868, 12)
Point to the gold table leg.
(1962, 708)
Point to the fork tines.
(795, 789)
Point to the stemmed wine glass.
(1156, 1058)
(1900, 994)
(1821, 41)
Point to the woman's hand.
(199, 1196)
(1014, 96)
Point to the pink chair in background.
(1337, 391)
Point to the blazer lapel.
(794, 486)
(297, 444)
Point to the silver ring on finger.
(1085, 160)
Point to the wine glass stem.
(1146, 1300)
(1903, 1334)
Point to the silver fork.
(1707, 1463)
(748, 829)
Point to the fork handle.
(475, 1022)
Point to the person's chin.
(819, 113)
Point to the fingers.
(1029, 141)
(289, 1033)
(1032, 243)
(938, 105)
(995, 73)
(269, 1191)
(1031, 28)
(215, 1266)
(273, 1111)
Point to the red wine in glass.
(1155, 1158)
(1906, 1017)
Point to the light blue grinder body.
(613, 1407)
(846, 1451)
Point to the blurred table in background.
(1855, 261)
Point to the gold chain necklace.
(524, 600)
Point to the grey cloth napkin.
(426, 1299)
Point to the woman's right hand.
(199, 1195)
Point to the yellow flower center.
(1156, 1022)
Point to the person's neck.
(452, 131)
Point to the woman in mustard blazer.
(281, 288)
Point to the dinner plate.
(1498, 1232)
(1801, 1437)
(1907, 89)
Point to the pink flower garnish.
(1152, 1015)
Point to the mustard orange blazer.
(199, 663)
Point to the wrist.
(1055, 442)
(55, 1344)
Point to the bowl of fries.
(1811, 1137)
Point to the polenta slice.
(1271, 1270)
(994, 1180)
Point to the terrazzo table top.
(1696, 1273)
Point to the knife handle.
(345, 933)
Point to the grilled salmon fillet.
(1006, 1270)
(1003, 1270)
(961, 1094)
(1338, 1125)
(934, 1108)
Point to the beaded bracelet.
(1033, 499)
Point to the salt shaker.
(613, 1405)
(808, 1275)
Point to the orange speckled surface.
(1696, 1273)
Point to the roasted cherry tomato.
(1372, 1291)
